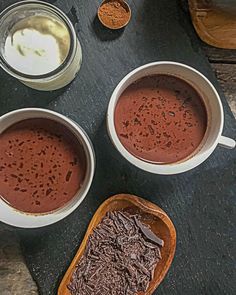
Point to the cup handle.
(227, 142)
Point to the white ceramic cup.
(17, 218)
(214, 108)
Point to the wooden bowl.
(152, 215)
(215, 21)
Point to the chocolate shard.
(148, 233)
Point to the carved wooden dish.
(215, 22)
(152, 215)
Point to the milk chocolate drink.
(161, 119)
(42, 165)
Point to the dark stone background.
(201, 203)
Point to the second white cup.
(212, 102)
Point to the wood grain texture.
(216, 55)
(200, 203)
(226, 75)
(151, 215)
(223, 62)
(214, 25)
(15, 278)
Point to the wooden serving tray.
(152, 215)
(214, 22)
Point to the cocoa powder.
(114, 14)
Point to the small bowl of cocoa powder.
(114, 14)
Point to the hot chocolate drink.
(160, 119)
(42, 165)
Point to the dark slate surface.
(201, 203)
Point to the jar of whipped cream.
(39, 45)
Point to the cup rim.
(163, 169)
(14, 217)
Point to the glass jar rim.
(73, 44)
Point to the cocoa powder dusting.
(120, 257)
(114, 14)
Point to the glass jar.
(69, 67)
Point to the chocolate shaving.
(68, 175)
(120, 257)
(148, 233)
